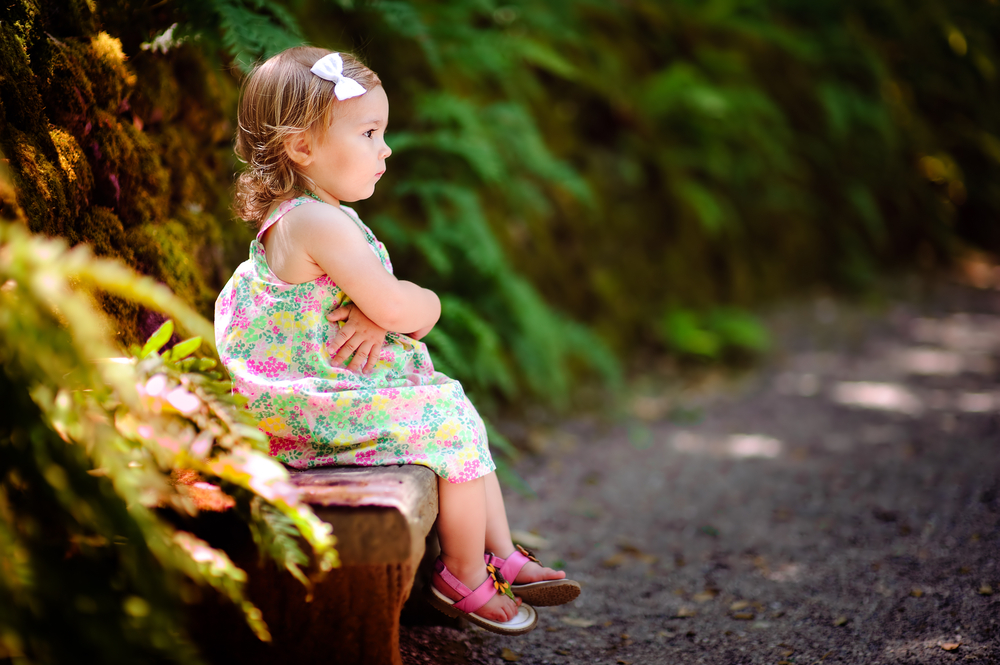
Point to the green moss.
(156, 96)
(41, 185)
(23, 106)
(10, 211)
(126, 150)
(74, 167)
(68, 93)
(165, 252)
(106, 68)
(105, 233)
(130, 176)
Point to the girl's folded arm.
(339, 248)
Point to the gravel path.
(837, 505)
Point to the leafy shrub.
(90, 568)
(710, 335)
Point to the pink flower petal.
(183, 401)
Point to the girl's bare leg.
(498, 540)
(461, 526)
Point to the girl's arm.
(338, 247)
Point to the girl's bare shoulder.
(316, 220)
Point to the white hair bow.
(331, 68)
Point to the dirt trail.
(838, 505)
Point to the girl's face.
(348, 158)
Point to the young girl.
(312, 134)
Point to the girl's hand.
(359, 335)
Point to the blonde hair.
(282, 98)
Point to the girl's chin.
(358, 197)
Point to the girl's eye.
(369, 133)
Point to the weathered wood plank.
(381, 517)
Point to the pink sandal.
(540, 594)
(523, 621)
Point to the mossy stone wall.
(125, 148)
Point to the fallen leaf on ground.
(608, 624)
(950, 646)
(986, 590)
(704, 596)
(917, 593)
(788, 653)
(530, 540)
(743, 616)
(614, 560)
(563, 652)
(510, 656)
(624, 662)
(739, 605)
(840, 621)
(632, 550)
(686, 612)
(578, 622)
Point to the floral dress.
(274, 339)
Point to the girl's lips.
(379, 174)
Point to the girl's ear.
(299, 149)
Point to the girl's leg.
(498, 540)
(461, 526)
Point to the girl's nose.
(386, 151)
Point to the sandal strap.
(472, 600)
(511, 566)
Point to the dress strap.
(291, 204)
(280, 211)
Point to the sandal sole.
(444, 605)
(547, 593)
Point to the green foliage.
(628, 158)
(466, 159)
(90, 569)
(713, 334)
(554, 161)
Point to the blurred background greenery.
(578, 179)
(584, 183)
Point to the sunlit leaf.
(185, 348)
(158, 339)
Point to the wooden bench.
(382, 517)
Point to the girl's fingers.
(346, 344)
(360, 358)
(342, 313)
(376, 351)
